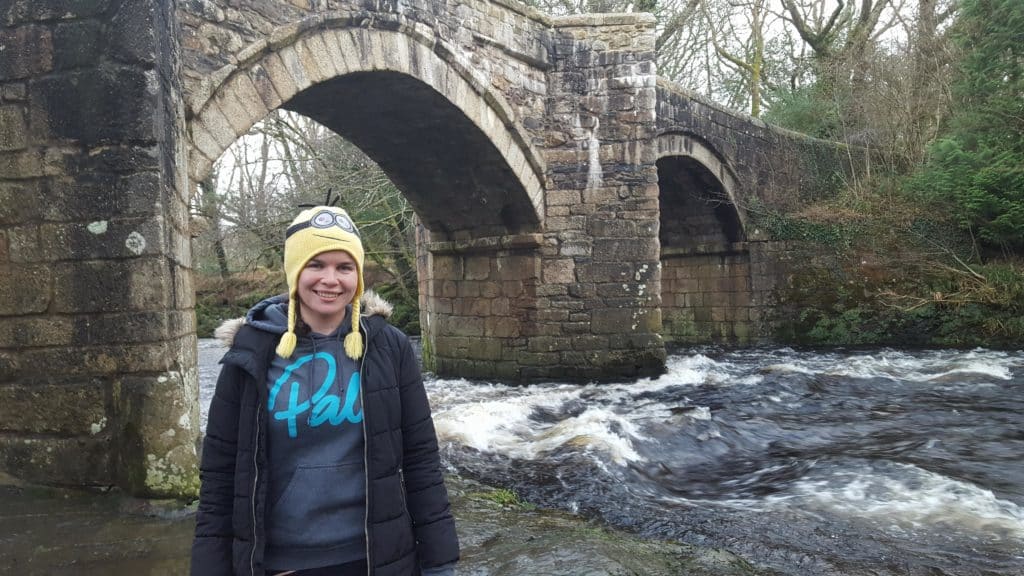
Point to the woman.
(320, 456)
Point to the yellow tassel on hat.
(354, 340)
(288, 340)
(287, 344)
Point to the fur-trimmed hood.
(270, 315)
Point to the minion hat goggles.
(314, 231)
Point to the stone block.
(604, 272)
(559, 271)
(15, 299)
(181, 324)
(321, 56)
(538, 358)
(447, 268)
(442, 306)
(616, 290)
(718, 299)
(157, 424)
(295, 64)
(465, 326)
(75, 362)
(22, 164)
(502, 327)
(566, 223)
(626, 250)
(80, 461)
(743, 332)
(720, 314)
(106, 329)
(604, 228)
(552, 315)
(484, 349)
(18, 11)
(279, 76)
(241, 103)
(36, 331)
(552, 290)
(500, 306)
(133, 31)
(468, 289)
(477, 267)
(480, 307)
(111, 104)
(589, 342)
(112, 286)
(13, 128)
(28, 51)
(19, 202)
(69, 409)
(741, 299)
(549, 343)
(264, 86)
(615, 320)
(561, 198)
(490, 289)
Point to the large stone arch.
(706, 284)
(443, 135)
(307, 69)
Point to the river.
(881, 462)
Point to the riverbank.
(60, 532)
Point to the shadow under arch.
(449, 142)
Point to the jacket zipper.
(255, 481)
(366, 448)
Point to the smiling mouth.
(326, 295)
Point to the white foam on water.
(496, 418)
(906, 497)
(914, 367)
(504, 427)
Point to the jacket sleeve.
(212, 546)
(436, 541)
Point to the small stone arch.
(272, 72)
(686, 145)
(705, 259)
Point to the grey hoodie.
(317, 488)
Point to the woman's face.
(326, 286)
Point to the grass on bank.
(900, 271)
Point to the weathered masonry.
(579, 212)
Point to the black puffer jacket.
(409, 523)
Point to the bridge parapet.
(777, 168)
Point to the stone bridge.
(579, 213)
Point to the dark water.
(883, 462)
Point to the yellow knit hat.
(314, 231)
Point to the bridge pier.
(599, 301)
(97, 332)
